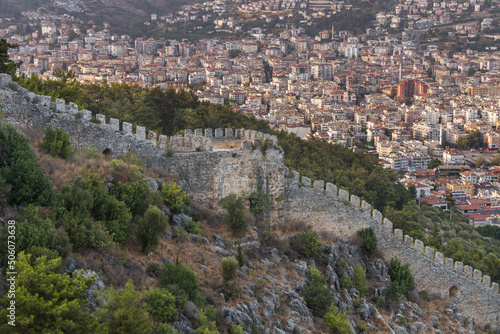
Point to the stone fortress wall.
(199, 140)
(212, 174)
(333, 209)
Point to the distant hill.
(117, 12)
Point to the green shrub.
(183, 278)
(37, 251)
(38, 234)
(23, 177)
(361, 327)
(133, 194)
(152, 198)
(401, 321)
(229, 268)
(359, 280)
(77, 199)
(59, 241)
(92, 153)
(99, 237)
(401, 279)
(369, 240)
(237, 329)
(126, 169)
(180, 296)
(32, 230)
(192, 227)
(424, 295)
(97, 188)
(259, 286)
(317, 295)
(176, 200)
(240, 258)
(150, 228)
(179, 234)
(56, 142)
(124, 311)
(260, 204)
(207, 321)
(41, 282)
(308, 244)
(117, 219)
(166, 329)
(346, 282)
(337, 321)
(161, 304)
(235, 216)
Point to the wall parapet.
(331, 191)
(192, 141)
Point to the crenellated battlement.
(384, 228)
(198, 140)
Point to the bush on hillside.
(176, 200)
(44, 283)
(401, 279)
(229, 267)
(235, 216)
(161, 304)
(117, 219)
(337, 321)
(151, 227)
(317, 295)
(359, 280)
(308, 244)
(369, 240)
(124, 311)
(21, 175)
(56, 142)
(183, 277)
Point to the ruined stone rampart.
(212, 173)
(333, 209)
(59, 113)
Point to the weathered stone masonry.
(212, 173)
(332, 209)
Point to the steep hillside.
(117, 12)
(288, 279)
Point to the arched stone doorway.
(453, 292)
(107, 153)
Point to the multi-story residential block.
(469, 176)
(453, 157)
(457, 187)
(490, 91)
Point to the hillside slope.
(118, 12)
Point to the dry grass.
(327, 237)
(292, 226)
(225, 145)
(61, 171)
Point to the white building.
(453, 157)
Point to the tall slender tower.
(400, 64)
